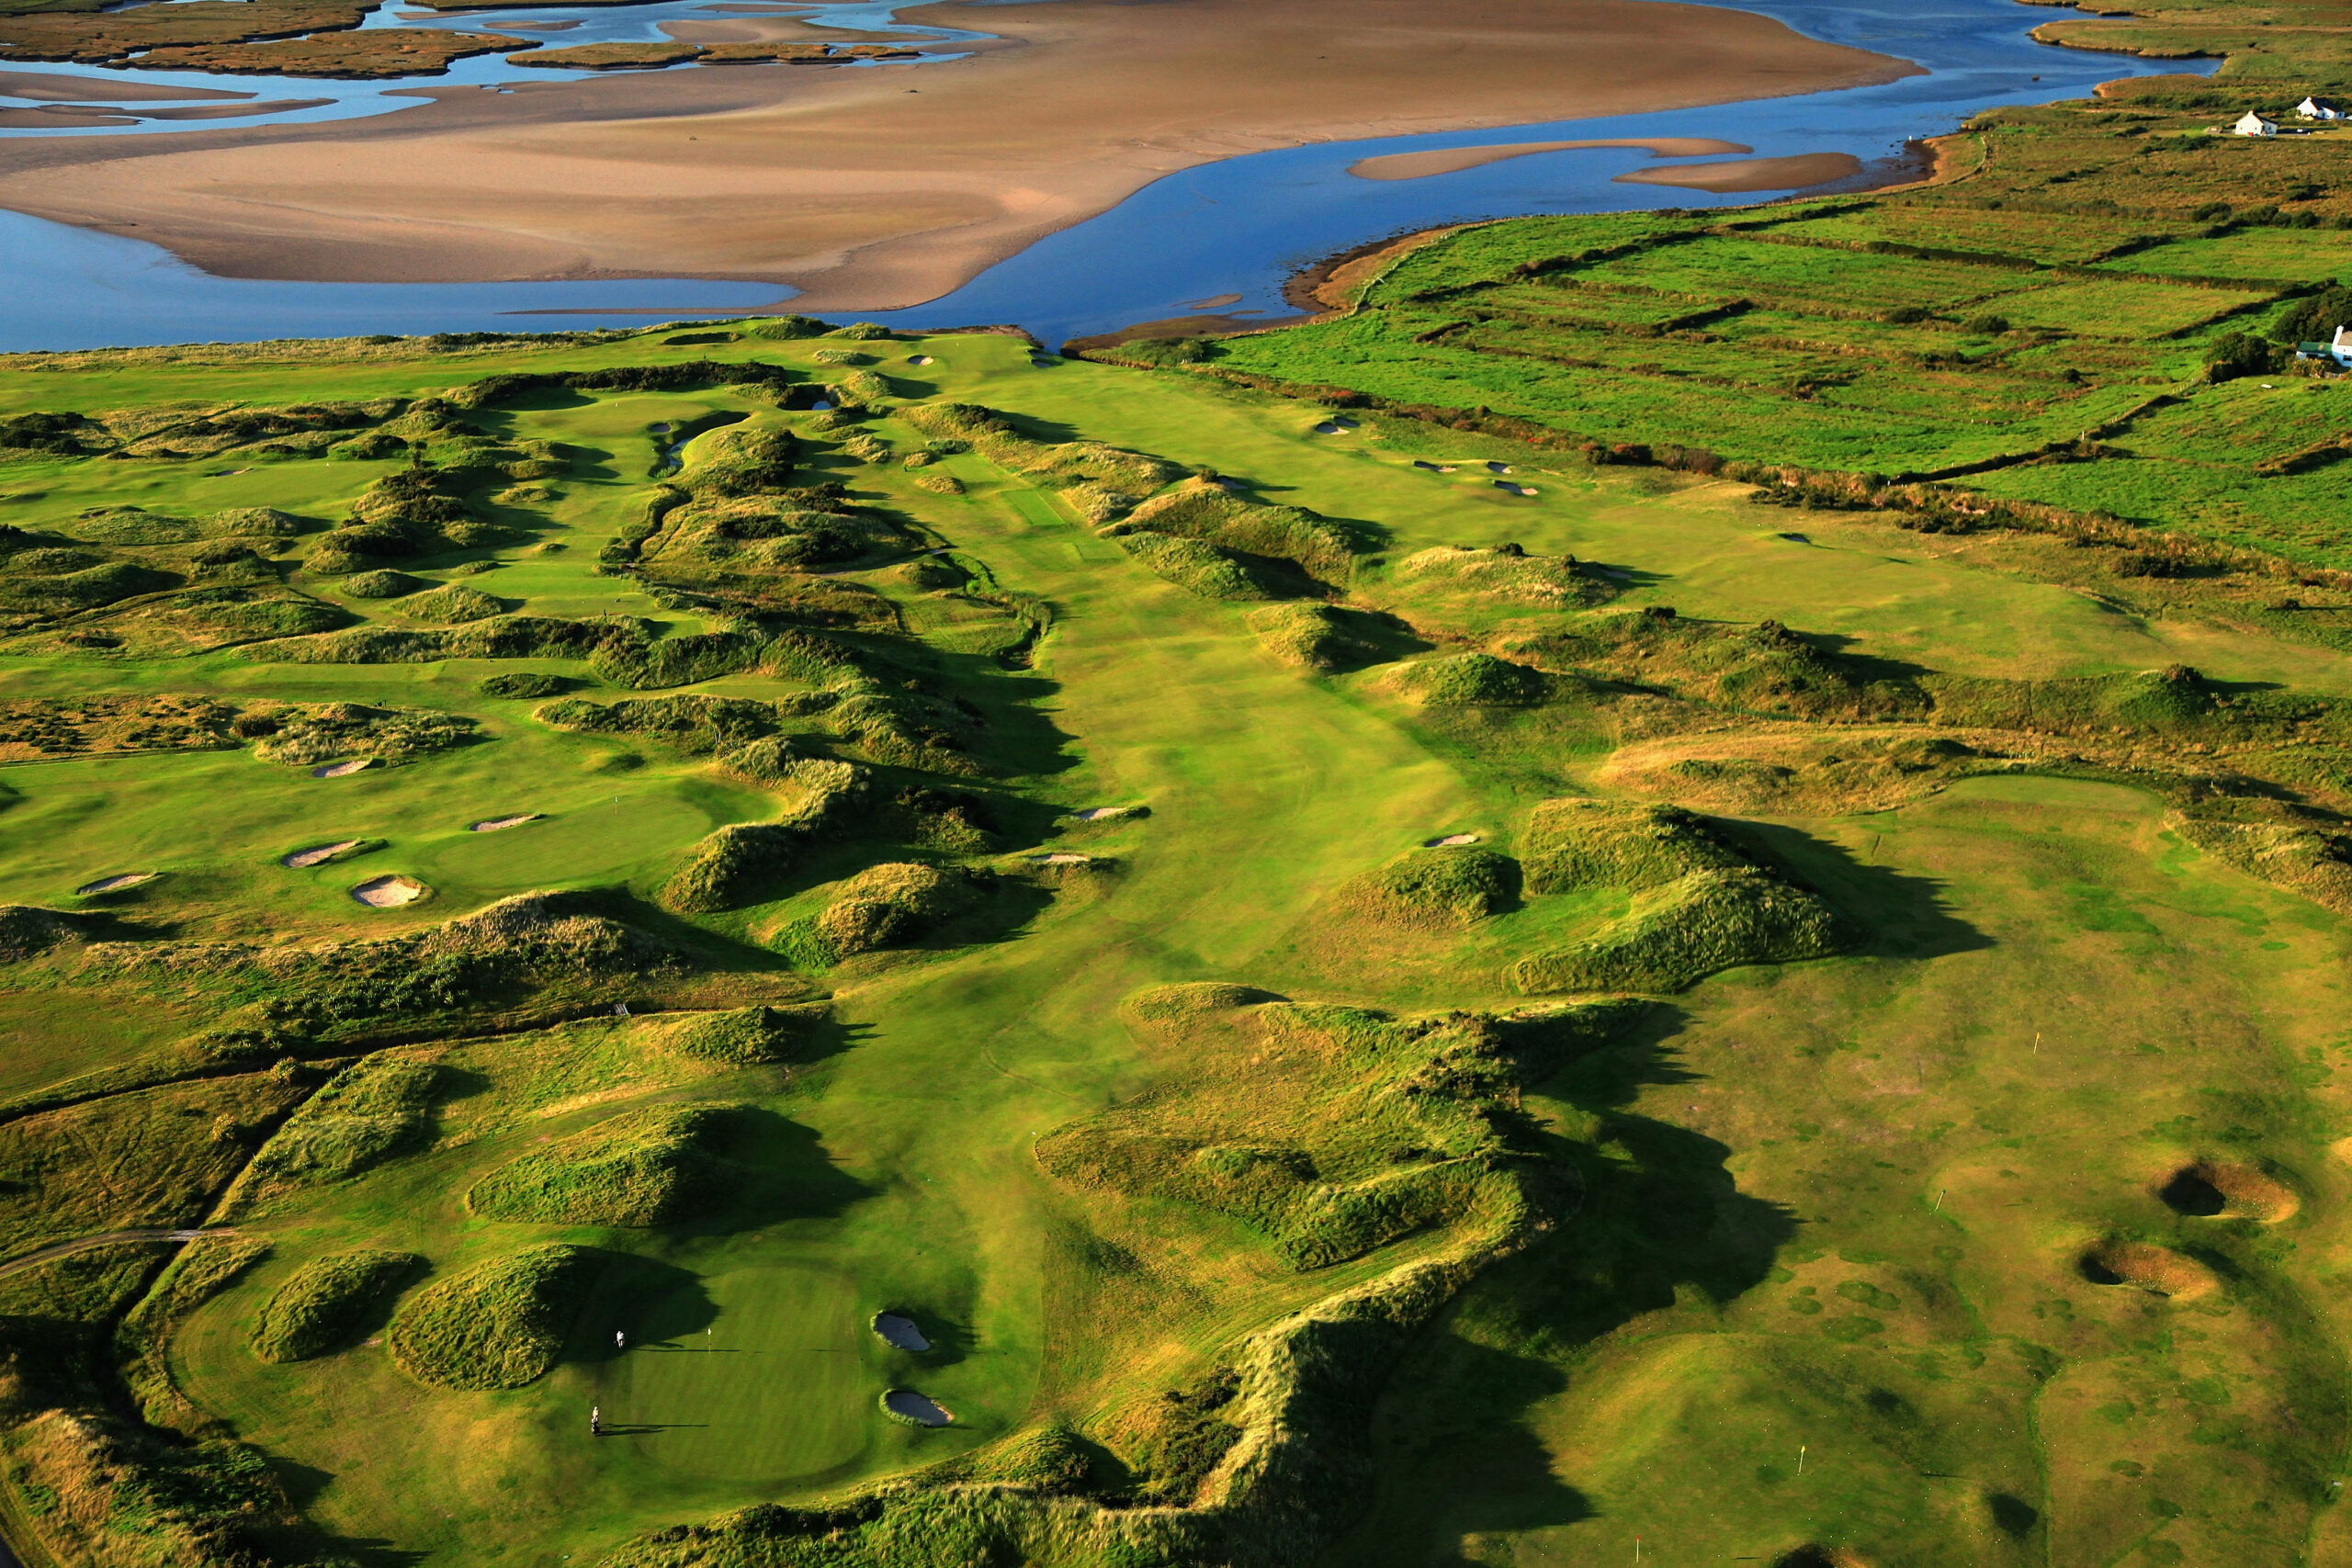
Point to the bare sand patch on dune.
(865, 193)
(1454, 160)
(1750, 173)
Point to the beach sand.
(1744, 175)
(1421, 166)
(881, 188)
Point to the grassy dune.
(1230, 1157)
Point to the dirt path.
(40, 1255)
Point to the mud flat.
(873, 188)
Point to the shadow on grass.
(1903, 916)
(1660, 1218)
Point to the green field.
(1850, 1195)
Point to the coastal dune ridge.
(884, 187)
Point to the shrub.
(325, 1302)
(525, 683)
(2234, 355)
(498, 1324)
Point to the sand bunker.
(1512, 487)
(389, 892)
(500, 824)
(1109, 813)
(1751, 174)
(901, 1333)
(343, 769)
(303, 860)
(1814, 1556)
(2150, 1268)
(1451, 841)
(113, 883)
(1062, 860)
(1454, 160)
(919, 359)
(2208, 1191)
(1494, 468)
(1434, 468)
(909, 1407)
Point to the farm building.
(2254, 125)
(2339, 349)
(2318, 108)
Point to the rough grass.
(496, 1325)
(884, 905)
(1470, 680)
(367, 1113)
(326, 1302)
(642, 1167)
(1437, 889)
(1687, 929)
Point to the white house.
(2339, 349)
(2315, 108)
(2254, 125)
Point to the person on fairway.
(620, 1341)
(595, 1421)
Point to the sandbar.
(1750, 173)
(887, 186)
(1454, 160)
(57, 86)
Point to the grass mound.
(526, 684)
(1437, 889)
(1204, 510)
(498, 1324)
(383, 584)
(1573, 845)
(2210, 1190)
(1692, 928)
(2154, 1269)
(1099, 481)
(642, 1167)
(1506, 572)
(883, 906)
(325, 1302)
(1207, 569)
(1322, 638)
(338, 731)
(454, 605)
(369, 1111)
(1471, 680)
(1165, 1005)
(748, 1037)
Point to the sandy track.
(882, 187)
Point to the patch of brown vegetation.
(2209, 1189)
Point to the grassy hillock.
(324, 1304)
(649, 1167)
(497, 1325)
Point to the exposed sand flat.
(1751, 174)
(234, 111)
(887, 186)
(62, 88)
(62, 117)
(1421, 166)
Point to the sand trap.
(1434, 468)
(1454, 160)
(1109, 813)
(1797, 539)
(1497, 468)
(1451, 841)
(389, 892)
(1039, 362)
(343, 769)
(1331, 427)
(2150, 1268)
(919, 359)
(2208, 1191)
(1062, 860)
(303, 860)
(1811, 1556)
(1751, 174)
(114, 883)
(500, 824)
(899, 1333)
(909, 1405)
(1511, 487)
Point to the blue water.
(1238, 227)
